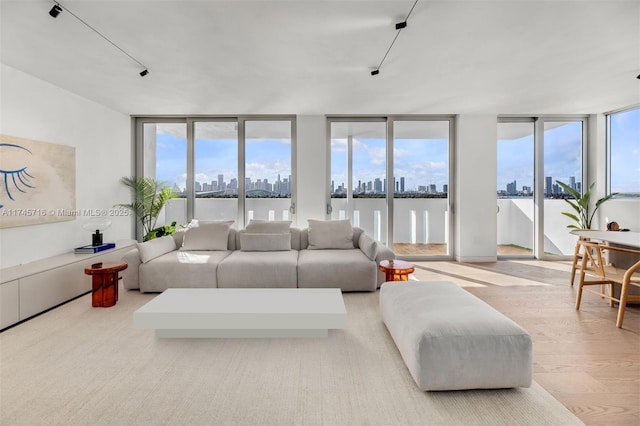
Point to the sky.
(420, 161)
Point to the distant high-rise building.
(512, 188)
(445, 188)
(432, 188)
(548, 185)
(402, 184)
(572, 182)
(377, 185)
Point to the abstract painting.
(37, 182)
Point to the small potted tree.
(581, 205)
(149, 197)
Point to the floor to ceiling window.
(421, 187)
(391, 177)
(162, 154)
(267, 171)
(215, 169)
(222, 168)
(515, 173)
(563, 161)
(623, 140)
(533, 154)
(358, 174)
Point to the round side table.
(396, 270)
(104, 280)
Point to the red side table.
(104, 280)
(396, 270)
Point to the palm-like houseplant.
(149, 197)
(580, 204)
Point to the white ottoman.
(449, 339)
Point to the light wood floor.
(580, 357)
(432, 249)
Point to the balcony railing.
(420, 222)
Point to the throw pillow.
(271, 227)
(207, 236)
(151, 249)
(265, 242)
(368, 245)
(330, 234)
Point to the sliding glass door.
(533, 155)
(358, 175)
(391, 177)
(515, 193)
(421, 187)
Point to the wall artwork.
(37, 182)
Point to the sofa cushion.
(330, 234)
(259, 269)
(349, 270)
(265, 242)
(207, 236)
(368, 245)
(157, 247)
(268, 227)
(181, 269)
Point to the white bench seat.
(451, 340)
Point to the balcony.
(421, 225)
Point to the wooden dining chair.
(577, 258)
(594, 264)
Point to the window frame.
(608, 166)
(189, 120)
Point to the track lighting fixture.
(399, 27)
(57, 8)
(55, 11)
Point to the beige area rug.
(83, 365)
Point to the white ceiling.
(315, 56)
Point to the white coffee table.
(244, 312)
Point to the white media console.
(29, 289)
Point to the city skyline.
(422, 162)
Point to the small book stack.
(94, 249)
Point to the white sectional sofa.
(328, 254)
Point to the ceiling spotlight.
(143, 73)
(55, 11)
(638, 77)
(401, 25)
(375, 72)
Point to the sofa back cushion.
(304, 238)
(151, 249)
(330, 234)
(250, 241)
(207, 236)
(268, 227)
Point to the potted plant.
(149, 197)
(580, 203)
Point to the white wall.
(34, 109)
(312, 186)
(475, 190)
